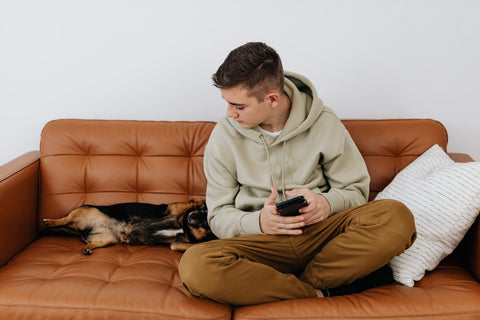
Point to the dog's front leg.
(180, 246)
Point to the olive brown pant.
(265, 268)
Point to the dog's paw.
(87, 251)
(180, 246)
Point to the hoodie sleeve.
(222, 188)
(347, 176)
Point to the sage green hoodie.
(314, 151)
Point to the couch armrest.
(18, 204)
(461, 157)
(470, 246)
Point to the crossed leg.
(331, 253)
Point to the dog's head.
(196, 224)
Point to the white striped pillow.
(444, 197)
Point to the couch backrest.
(111, 161)
(388, 146)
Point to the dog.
(179, 224)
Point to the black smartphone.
(290, 207)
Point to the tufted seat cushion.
(51, 279)
(446, 294)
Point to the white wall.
(147, 59)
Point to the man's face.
(245, 109)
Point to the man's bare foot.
(319, 293)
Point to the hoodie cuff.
(250, 224)
(336, 201)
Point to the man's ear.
(273, 97)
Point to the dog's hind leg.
(98, 240)
(75, 218)
(57, 222)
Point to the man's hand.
(272, 223)
(318, 207)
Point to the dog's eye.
(198, 218)
(191, 218)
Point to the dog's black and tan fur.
(178, 224)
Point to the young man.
(279, 141)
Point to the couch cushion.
(448, 293)
(51, 279)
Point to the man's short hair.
(255, 66)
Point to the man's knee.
(200, 270)
(193, 269)
(400, 217)
(400, 221)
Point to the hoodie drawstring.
(272, 179)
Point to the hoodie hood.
(306, 108)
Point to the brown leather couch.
(105, 162)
